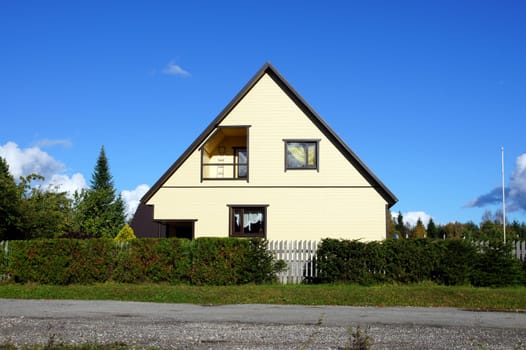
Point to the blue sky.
(425, 92)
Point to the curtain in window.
(252, 218)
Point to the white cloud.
(515, 192)
(23, 162)
(174, 69)
(68, 184)
(411, 217)
(517, 187)
(51, 143)
(131, 198)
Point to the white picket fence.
(299, 257)
(4, 250)
(520, 250)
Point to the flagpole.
(503, 197)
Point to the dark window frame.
(315, 142)
(232, 209)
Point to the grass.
(426, 294)
(54, 345)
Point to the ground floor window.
(248, 221)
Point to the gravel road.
(186, 326)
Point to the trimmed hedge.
(213, 261)
(448, 262)
(227, 261)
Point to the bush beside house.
(214, 261)
(229, 261)
(448, 262)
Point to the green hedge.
(213, 261)
(448, 262)
(227, 261)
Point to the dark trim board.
(247, 187)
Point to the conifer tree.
(432, 231)
(9, 203)
(391, 226)
(100, 212)
(101, 178)
(400, 227)
(420, 230)
(125, 234)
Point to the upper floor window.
(301, 154)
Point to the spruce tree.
(101, 178)
(420, 230)
(100, 211)
(432, 231)
(400, 227)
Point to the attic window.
(301, 154)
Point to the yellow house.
(269, 166)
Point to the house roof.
(309, 112)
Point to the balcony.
(224, 156)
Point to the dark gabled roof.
(306, 108)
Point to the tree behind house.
(45, 212)
(420, 230)
(9, 203)
(29, 211)
(99, 211)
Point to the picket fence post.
(299, 257)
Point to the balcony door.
(241, 162)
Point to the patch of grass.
(87, 346)
(53, 344)
(426, 294)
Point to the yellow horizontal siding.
(292, 213)
(273, 117)
(339, 202)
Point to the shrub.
(91, 261)
(350, 261)
(152, 260)
(215, 261)
(259, 265)
(495, 266)
(455, 264)
(449, 262)
(226, 261)
(125, 234)
(4, 261)
(61, 261)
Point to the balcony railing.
(224, 171)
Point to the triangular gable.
(267, 68)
